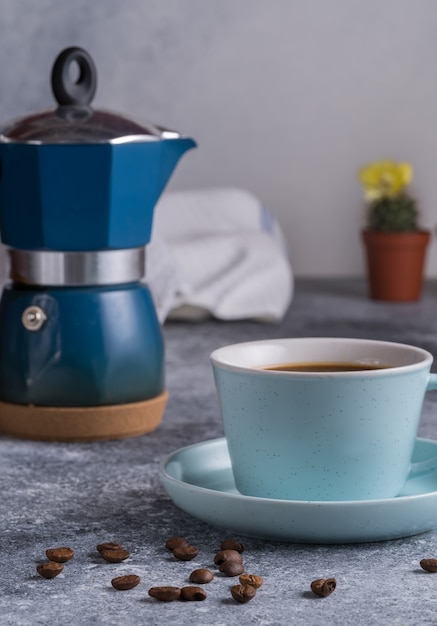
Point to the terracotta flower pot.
(395, 264)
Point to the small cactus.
(397, 214)
(390, 208)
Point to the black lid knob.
(74, 92)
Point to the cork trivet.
(95, 423)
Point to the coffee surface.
(325, 366)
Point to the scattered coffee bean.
(252, 580)
(230, 544)
(227, 555)
(176, 542)
(231, 568)
(201, 576)
(60, 555)
(243, 593)
(115, 556)
(185, 553)
(323, 586)
(165, 593)
(50, 569)
(429, 565)
(128, 581)
(190, 594)
(108, 545)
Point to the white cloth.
(220, 253)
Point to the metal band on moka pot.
(48, 268)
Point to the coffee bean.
(128, 581)
(185, 553)
(108, 545)
(176, 542)
(429, 565)
(165, 593)
(60, 555)
(252, 580)
(227, 555)
(243, 593)
(115, 556)
(190, 594)
(201, 576)
(323, 586)
(50, 569)
(230, 544)
(231, 568)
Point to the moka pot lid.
(74, 121)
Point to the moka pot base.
(80, 424)
(81, 348)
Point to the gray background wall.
(286, 98)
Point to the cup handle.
(429, 465)
(420, 468)
(432, 382)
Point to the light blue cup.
(325, 435)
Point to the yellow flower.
(384, 179)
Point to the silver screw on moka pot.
(33, 318)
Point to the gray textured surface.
(80, 495)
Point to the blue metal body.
(98, 346)
(77, 197)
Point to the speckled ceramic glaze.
(325, 435)
(199, 480)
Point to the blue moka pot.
(81, 349)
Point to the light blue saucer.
(199, 480)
